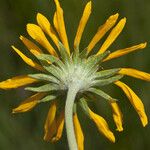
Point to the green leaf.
(101, 93)
(43, 88)
(107, 73)
(103, 82)
(84, 106)
(47, 98)
(44, 77)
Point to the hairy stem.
(72, 91)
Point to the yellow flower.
(66, 73)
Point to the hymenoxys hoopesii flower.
(71, 77)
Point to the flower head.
(69, 78)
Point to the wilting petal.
(47, 28)
(102, 126)
(61, 26)
(29, 103)
(110, 22)
(33, 48)
(16, 82)
(125, 51)
(82, 24)
(117, 115)
(50, 124)
(112, 36)
(78, 132)
(135, 101)
(37, 34)
(135, 73)
(27, 60)
(59, 126)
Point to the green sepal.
(47, 98)
(44, 77)
(102, 94)
(107, 73)
(74, 108)
(93, 60)
(43, 88)
(104, 82)
(84, 53)
(82, 102)
(64, 54)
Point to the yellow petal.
(28, 60)
(47, 28)
(37, 34)
(50, 124)
(78, 132)
(110, 22)
(117, 115)
(16, 82)
(33, 48)
(60, 127)
(102, 126)
(29, 103)
(56, 23)
(82, 24)
(135, 101)
(125, 51)
(61, 26)
(135, 73)
(112, 36)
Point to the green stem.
(72, 91)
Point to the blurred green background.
(25, 131)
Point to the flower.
(70, 78)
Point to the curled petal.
(27, 60)
(50, 124)
(29, 103)
(61, 26)
(135, 73)
(117, 115)
(16, 82)
(82, 24)
(47, 28)
(37, 34)
(110, 22)
(135, 101)
(125, 51)
(59, 126)
(112, 36)
(78, 132)
(102, 126)
(33, 48)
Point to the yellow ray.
(29, 103)
(78, 132)
(110, 22)
(135, 101)
(47, 28)
(33, 48)
(117, 116)
(37, 34)
(27, 60)
(16, 82)
(82, 24)
(135, 73)
(112, 36)
(125, 51)
(61, 26)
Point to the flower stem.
(72, 91)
